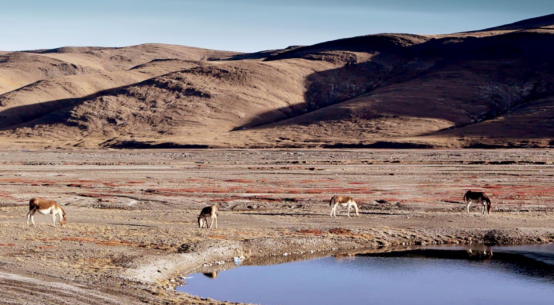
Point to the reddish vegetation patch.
(340, 231)
(314, 191)
(217, 236)
(112, 243)
(89, 181)
(80, 239)
(356, 183)
(135, 182)
(110, 184)
(16, 180)
(7, 245)
(493, 187)
(240, 181)
(5, 195)
(311, 232)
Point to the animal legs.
(32, 216)
(468, 204)
(61, 217)
(349, 207)
(356, 209)
(333, 211)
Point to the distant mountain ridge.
(488, 88)
(533, 23)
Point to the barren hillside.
(490, 88)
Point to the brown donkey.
(45, 207)
(478, 197)
(206, 212)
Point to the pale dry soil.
(132, 231)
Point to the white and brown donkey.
(345, 201)
(46, 207)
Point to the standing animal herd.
(53, 208)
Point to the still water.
(515, 275)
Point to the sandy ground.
(132, 229)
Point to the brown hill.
(492, 88)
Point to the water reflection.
(417, 276)
(211, 275)
(480, 252)
(519, 261)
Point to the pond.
(513, 275)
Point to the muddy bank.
(211, 256)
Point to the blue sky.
(242, 25)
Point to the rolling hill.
(489, 88)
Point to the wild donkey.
(345, 201)
(206, 212)
(45, 207)
(478, 197)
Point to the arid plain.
(132, 230)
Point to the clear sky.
(243, 25)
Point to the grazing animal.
(345, 201)
(478, 197)
(46, 207)
(206, 212)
